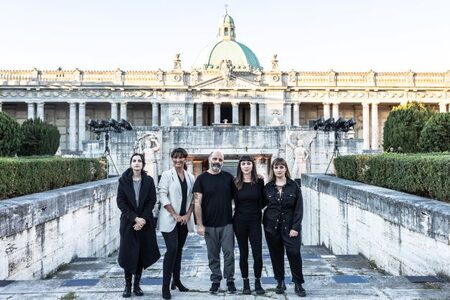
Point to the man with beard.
(213, 193)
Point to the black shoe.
(281, 287)
(246, 290)
(299, 290)
(214, 287)
(258, 288)
(179, 285)
(166, 292)
(136, 286)
(127, 291)
(231, 287)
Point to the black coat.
(136, 245)
(285, 210)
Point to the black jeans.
(248, 227)
(174, 250)
(277, 241)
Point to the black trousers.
(139, 270)
(248, 228)
(277, 242)
(174, 250)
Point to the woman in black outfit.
(248, 195)
(136, 197)
(282, 225)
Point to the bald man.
(213, 194)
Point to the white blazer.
(170, 193)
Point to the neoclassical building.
(226, 97)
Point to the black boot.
(246, 290)
(281, 287)
(166, 292)
(179, 285)
(136, 286)
(127, 291)
(299, 290)
(258, 288)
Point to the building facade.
(225, 95)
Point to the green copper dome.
(241, 57)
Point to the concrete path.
(327, 276)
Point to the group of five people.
(210, 198)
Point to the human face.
(216, 161)
(279, 171)
(136, 163)
(246, 167)
(178, 161)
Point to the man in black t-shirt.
(213, 193)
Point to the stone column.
(375, 126)
(72, 126)
(262, 114)
(217, 112)
(123, 110)
(114, 113)
(442, 107)
(335, 111)
(82, 124)
(296, 116)
(165, 118)
(199, 114)
(326, 111)
(40, 110)
(155, 114)
(235, 112)
(366, 125)
(252, 114)
(189, 114)
(30, 110)
(287, 114)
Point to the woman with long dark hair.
(248, 195)
(175, 217)
(136, 197)
(282, 225)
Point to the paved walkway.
(327, 276)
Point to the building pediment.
(226, 82)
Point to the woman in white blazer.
(175, 217)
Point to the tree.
(435, 136)
(403, 127)
(39, 138)
(10, 135)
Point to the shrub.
(435, 136)
(10, 135)
(424, 174)
(403, 127)
(39, 138)
(31, 175)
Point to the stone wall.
(402, 233)
(42, 231)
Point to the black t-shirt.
(248, 198)
(217, 194)
(184, 195)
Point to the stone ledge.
(419, 214)
(21, 213)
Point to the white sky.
(307, 35)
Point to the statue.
(177, 62)
(301, 156)
(274, 62)
(148, 145)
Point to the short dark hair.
(179, 152)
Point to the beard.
(216, 166)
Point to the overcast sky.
(307, 35)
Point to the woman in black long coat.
(136, 198)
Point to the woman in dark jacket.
(282, 225)
(136, 198)
(248, 193)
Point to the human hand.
(293, 233)
(175, 217)
(183, 219)
(201, 230)
(140, 221)
(137, 227)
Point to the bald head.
(216, 161)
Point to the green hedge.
(10, 135)
(424, 174)
(39, 138)
(31, 175)
(435, 136)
